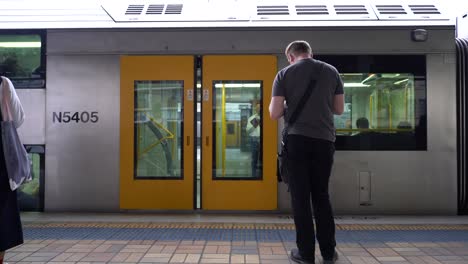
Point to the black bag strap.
(303, 100)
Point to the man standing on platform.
(310, 145)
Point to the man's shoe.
(333, 260)
(296, 257)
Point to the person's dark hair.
(298, 47)
(362, 123)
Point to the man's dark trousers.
(309, 163)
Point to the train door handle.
(207, 140)
(188, 140)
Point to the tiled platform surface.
(51, 238)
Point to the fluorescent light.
(351, 74)
(36, 44)
(368, 78)
(355, 85)
(401, 81)
(198, 85)
(238, 85)
(390, 75)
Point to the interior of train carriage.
(201, 136)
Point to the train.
(135, 106)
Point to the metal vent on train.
(424, 10)
(174, 9)
(312, 10)
(351, 10)
(272, 10)
(155, 10)
(391, 9)
(134, 9)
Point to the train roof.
(106, 14)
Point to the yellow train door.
(156, 132)
(238, 137)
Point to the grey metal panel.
(403, 182)
(82, 159)
(410, 182)
(33, 129)
(358, 41)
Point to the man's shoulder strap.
(305, 97)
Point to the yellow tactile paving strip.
(345, 227)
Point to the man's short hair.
(298, 47)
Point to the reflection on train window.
(22, 60)
(377, 103)
(385, 102)
(237, 130)
(158, 129)
(31, 194)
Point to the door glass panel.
(158, 129)
(375, 102)
(237, 130)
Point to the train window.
(385, 102)
(31, 194)
(237, 130)
(22, 59)
(158, 129)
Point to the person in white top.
(254, 131)
(11, 232)
(15, 104)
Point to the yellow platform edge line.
(286, 226)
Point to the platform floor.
(221, 238)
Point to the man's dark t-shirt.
(316, 118)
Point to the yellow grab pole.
(406, 103)
(379, 98)
(371, 106)
(389, 115)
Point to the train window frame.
(31, 83)
(415, 64)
